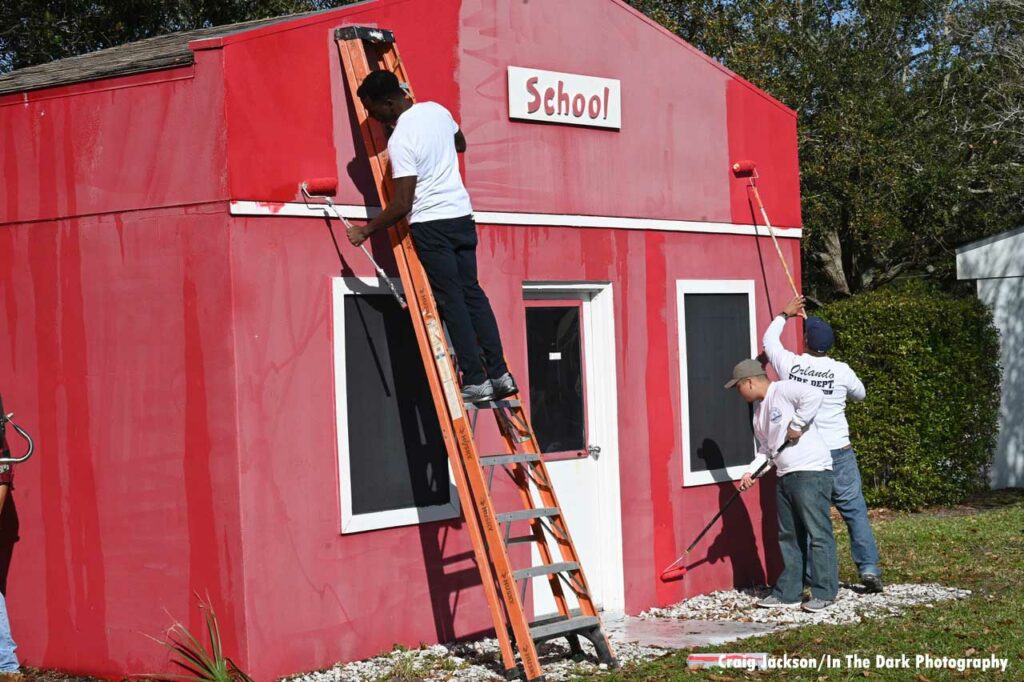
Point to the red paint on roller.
(674, 574)
(743, 169)
(322, 186)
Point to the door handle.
(594, 451)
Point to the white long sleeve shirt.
(835, 379)
(790, 404)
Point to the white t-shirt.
(835, 379)
(423, 145)
(790, 404)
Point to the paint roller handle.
(675, 570)
(6, 419)
(387, 280)
(725, 506)
(325, 188)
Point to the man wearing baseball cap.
(785, 411)
(839, 383)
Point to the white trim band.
(301, 210)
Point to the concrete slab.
(680, 634)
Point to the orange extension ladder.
(363, 50)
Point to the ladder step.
(547, 569)
(493, 404)
(563, 627)
(539, 513)
(520, 540)
(497, 460)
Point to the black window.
(717, 337)
(556, 377)
(396, 453)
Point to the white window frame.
(708, 286)
(406, 516)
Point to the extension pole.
(748, 170)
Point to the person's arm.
(759, 458)
(460, 141)
(855, 387)
(6, 479)
(748, 477)
(806, 401)
(402, 156)
(397, 208)
(777, 354)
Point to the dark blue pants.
(447, 249)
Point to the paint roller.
(748, 169)
(325, 188)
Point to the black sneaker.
(504, 386)
(872, 582)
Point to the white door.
(573, 407)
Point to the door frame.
(599, 364)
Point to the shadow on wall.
(1005, 296)
(735, 541)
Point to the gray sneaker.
(813, 605)
(478, 393)
(771, 602)
(504, 386)
(872, 582)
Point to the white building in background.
(997, 264)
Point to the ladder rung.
(492, 404)
(524, 514)
(563, 627)
(547, 569)
(520, 540)
(497, 460)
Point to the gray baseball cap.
(746, 369)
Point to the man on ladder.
(428, 188)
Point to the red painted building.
(214, 402)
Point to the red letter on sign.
(549, 95)
(594, 107)
(579, 104)
(563, 98)
(534, 103)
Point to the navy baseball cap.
(820, 336)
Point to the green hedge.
(930, 361)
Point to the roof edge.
(300, 21)
(986, 241)
(710, 60)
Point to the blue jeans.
(805, 535)
(849, 500)
(8, 661)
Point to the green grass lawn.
(979, 547)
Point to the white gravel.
(851, 606)
(481, 661)
(470, 662)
